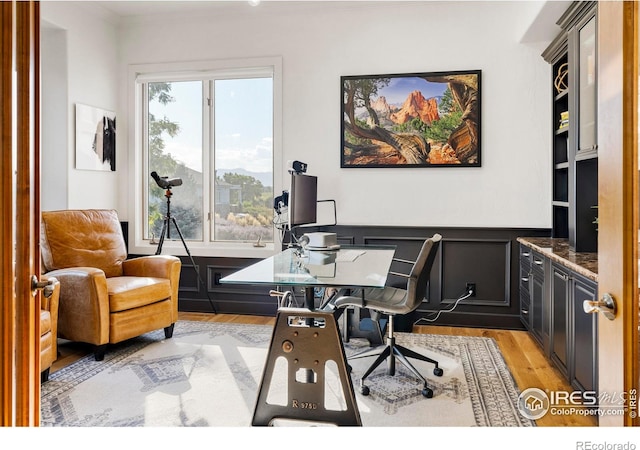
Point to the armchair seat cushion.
(132, 292)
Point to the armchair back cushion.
(83, 238)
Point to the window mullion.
(207, 162)
(145, 157)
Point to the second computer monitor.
(303, 200)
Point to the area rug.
(208, 374)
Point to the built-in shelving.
(561, 126)
(572, 56)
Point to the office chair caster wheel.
(426, 392)
(438, 372)
(364, 390)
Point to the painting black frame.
(373, 141)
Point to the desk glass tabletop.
(366, 266)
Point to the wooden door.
(19, 226)
(618, 204)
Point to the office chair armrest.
(349, 300)
(406, 261)
(398, 274)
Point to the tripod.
(166, 231)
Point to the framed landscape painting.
(411, 120)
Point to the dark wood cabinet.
(525, 286)
(534, 309)
(560, 341)
(574, 336)
(552, 295)
(584, 368)
(539, 312)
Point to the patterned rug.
(208, 375)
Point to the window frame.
(184, 71)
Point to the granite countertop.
(558, 250)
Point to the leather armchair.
(106, 298)
(49, 330)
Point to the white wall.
(82, 46)
(55, 125)
(511, 189)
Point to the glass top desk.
(308, 339)
(357, 266)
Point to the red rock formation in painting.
(417, 106)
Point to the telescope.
(165, 182)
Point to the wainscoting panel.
(189, 278)
(487, 257)
(467, 261)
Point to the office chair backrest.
(419, 276)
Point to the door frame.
(20, 193)
(618, 207)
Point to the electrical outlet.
(471, 287)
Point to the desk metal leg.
(306, 340)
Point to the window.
(174, 148)
(213, 131)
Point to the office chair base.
(426, 391)
(393, 351)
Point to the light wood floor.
(528, 365)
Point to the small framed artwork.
(427, 119)
(95, 138)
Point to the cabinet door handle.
(525, 279)
(537, 261)
(526, 254)
(525, 311)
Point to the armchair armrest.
(50, 299)
(51, 304)
(159, 266)
(83, 311)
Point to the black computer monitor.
(303, 199)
